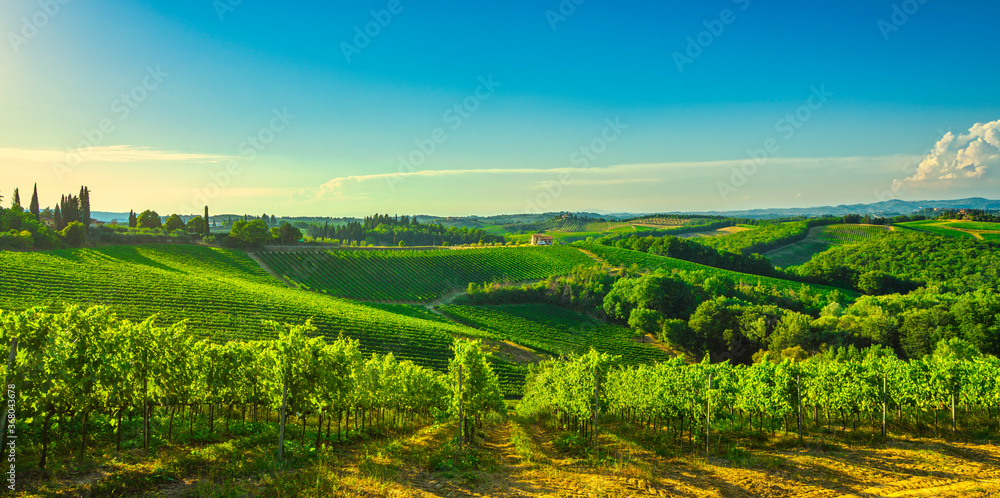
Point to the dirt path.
(270, 271)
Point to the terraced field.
(625, 257)
(553, 330)
(222, 294)
(417, 276)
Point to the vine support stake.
(798, 399)
(884, 403)
(597, 390)
(708, 413)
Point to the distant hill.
(885, 208)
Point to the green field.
(797, 253)
(937, 228)
(823, 238)
(625, 257)
(980, 230)
(222, 294)
(555, 331)
(392, 275)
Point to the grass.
(417, 276)
(554, 330)
(956, 229)
(938, 230)
(796, 254)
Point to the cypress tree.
(34, 204)
(57, 218)
(133, 220)
(208, 229)
(17, 199)
(85, 206)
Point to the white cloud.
(959, 157)
(111, 154)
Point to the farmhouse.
(541, 240)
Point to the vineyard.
(222, 294)
(90, 367)
(624, 257)
(822, 238)
(417, 276)
(850, 234)
(554, 331)
(955, 390)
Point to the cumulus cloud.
(966, 156)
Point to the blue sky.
(488, 107)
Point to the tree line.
(29, 229)
(386, 230)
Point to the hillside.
(221, 293)
(959, 264)
(417, 276)
(625, 257)
(554, 331)
(820, 239)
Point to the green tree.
(195, 225)
(251, 233)
(57, 219)
(645, 321)
(174, 222)
(85, 206)
(288, 234)
(17, 199)
(149, 219)
(34, 204)
(75, 234)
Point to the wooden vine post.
(884, 403)
(798, 399)
(461, 419)
(597, 390)
(281, 431)
(708, 413)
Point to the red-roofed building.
(541, 240)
